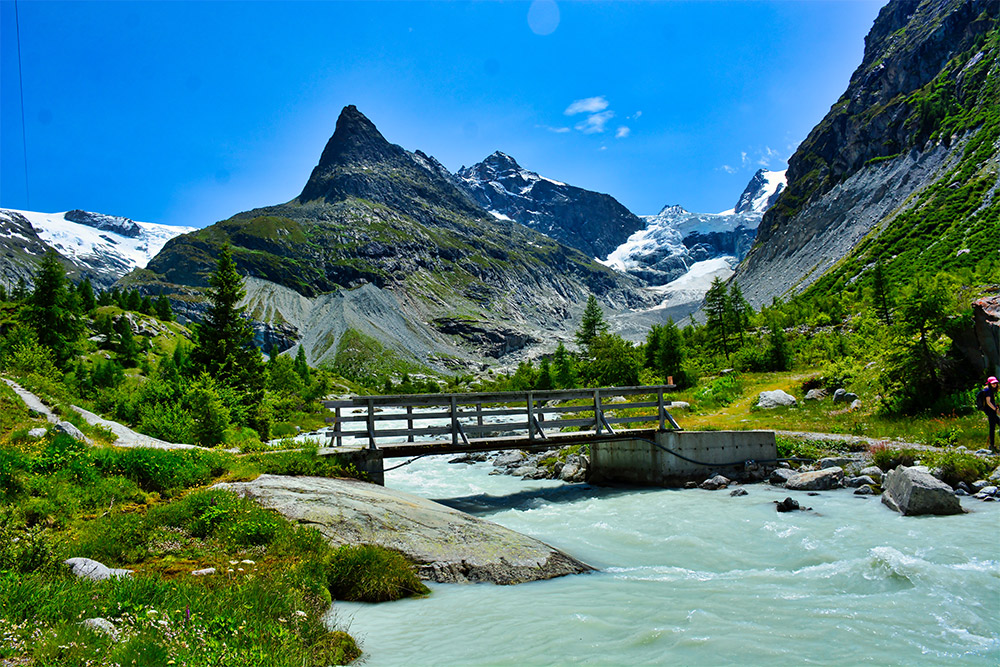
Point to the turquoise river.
(692, 577)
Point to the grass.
(825, 416)
(150, 511)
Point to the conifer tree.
(20, 292)
(301, 365)
(562, 363)
(126, 347)
(133, 301)
(718, 315)
(880, 293)
(591, 325)
(3, 292)
(544, 381)
(163, 309)
(224, 347)
(740, 310)
(50, 310)
(670, 352)
(85, 290)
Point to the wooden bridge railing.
(470, 417)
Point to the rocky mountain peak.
(762, 191)
(355, 139)
(672, 209)
(359, 162)
(107, 223)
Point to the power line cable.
(20, 85)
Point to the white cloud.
(729, 170)
(766, 155)
(587, 105)
(603, 148)
(636, 116)
(744, 160)
(595, 122)
(622, 132)
(557, 130)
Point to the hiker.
(986, 399)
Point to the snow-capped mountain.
(679, 253)
(589, 221)
(102, 247)
(762, 191)
(675, 238)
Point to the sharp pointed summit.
(359, 162)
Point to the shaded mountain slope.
(904, 166)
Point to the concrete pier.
(628, 460)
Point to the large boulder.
(769, 400)
(781, 475)
(447, 545)
(913, 492)
(816, 480)
(844, 396)
(88, 568)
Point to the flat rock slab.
(817, 480)
(448, 545)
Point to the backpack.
(981, 399)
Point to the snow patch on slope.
(102, 250)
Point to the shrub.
(225, 516)
(887, 458)
(721, 391)
(960, 467)
(370, 573)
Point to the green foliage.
(592, 324)
(720, 392)
(888, 458)
(959, 466)
(211, 417)
(719, 316)
(614, 362)
(369, 573)
(163, 309)
(52, 310)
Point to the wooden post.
(531, 417)
(598, 412)
(454, 420)
(338, 428)
(479, 415)
(660, 409)
(409, 422)
(371, 424)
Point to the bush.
(160, 470)
(225, 516)
(369, 573)
(960, 467)
(887, 458)
(720, 392)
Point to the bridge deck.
(500, 443)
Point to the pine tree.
(670, 352)
(591, 325)
(880, 289)
(85, 290)
(126, 347)
(163, 309)
(224, 347)
(544, 381)
(133, 301)
(146, 306)
(50, 310)
(301, 365)
(3, 292)
(562, 363)
(740, 310)
(20, 292)
(718, 315)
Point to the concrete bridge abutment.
(637, 461)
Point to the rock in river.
(447, 545)
(911, 491)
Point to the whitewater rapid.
(698, 577)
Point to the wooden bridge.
(419, 424)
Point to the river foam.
(701, 578)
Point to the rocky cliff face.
(591, 222)
(903, 167)
(378, 222)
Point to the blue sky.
(189, 112)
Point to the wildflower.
(300, 613)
